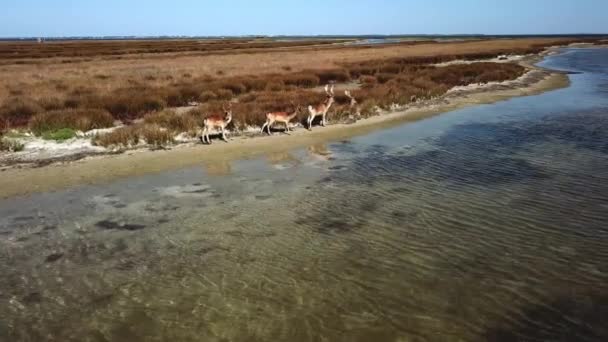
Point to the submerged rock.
(53, 257)
(111, 225)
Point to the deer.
(353, 102)
(322, 108)
(280, 117)
(215, 121)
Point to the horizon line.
(303, 36)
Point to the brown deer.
(353, 103)
(322, 108)
(280, 117)
(215, 121)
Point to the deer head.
(330, 94)
(296, 107)
(329, 90)
(227, 113)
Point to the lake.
(487, 223)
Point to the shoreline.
(18, 180)
(40, 152)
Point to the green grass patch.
(59, 135)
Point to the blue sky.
(20, 18)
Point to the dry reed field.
(91, 84)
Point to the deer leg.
(207, 136)
(224, 134)
(323, 119)
(310, 118)
(264, 126)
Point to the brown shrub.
(155, 135)
(304, 80)
(77, 119)
(131, 103)
(174, 98)
(51, 103)
(357, 71)
(61, 86)
(254, 83)
(17, 111)
(15, 92)
(83, 101)
(81, 90)
(384, 77)
(249, 97)
(189, 92)
(173, 121)
(463, 74)
(102, 77)
(327, 76)
(3, 126)
(224, 94)
(236, 88)
(341, 112)
(368, 108)
(423, 83)
(390, 68)
(197, 113)
(128, 136)
(368, 81)
(73, 102)
(121, 137)
(275, 86)
(207, 96)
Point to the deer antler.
(353, 102)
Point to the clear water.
(488, 223)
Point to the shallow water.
(487, 223)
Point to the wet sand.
(97, 170)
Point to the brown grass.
(116, 48)
(121, 137)
(77, 119)
(177, 123)
(131, 103)
(18, 111)
(156, 136)
(133, 79)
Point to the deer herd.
(219, 121)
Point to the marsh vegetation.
(82, 86)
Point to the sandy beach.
(17, 180)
